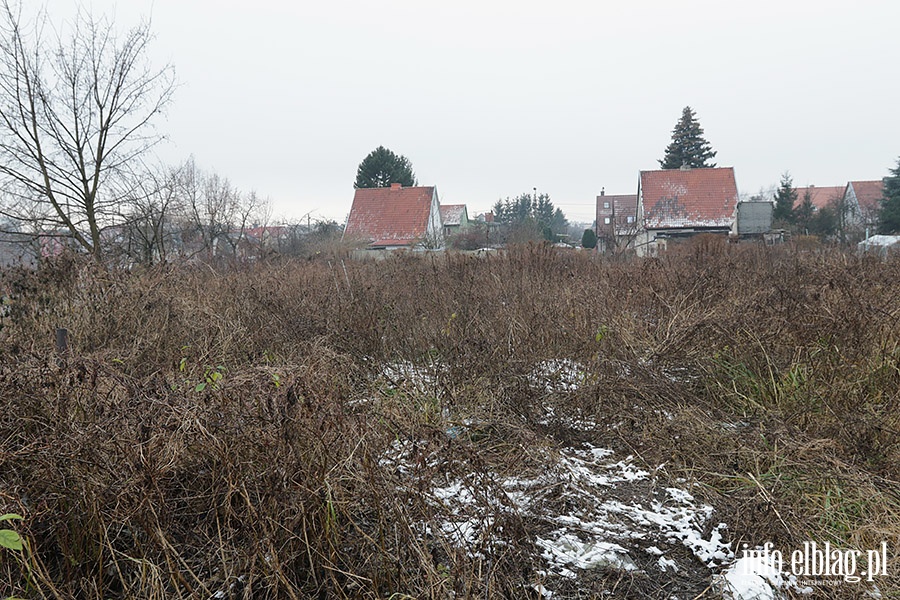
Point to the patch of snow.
(404, 374)
(558, 376)
(595, 521)
(667, 563)
(565, 549)
(751, 578)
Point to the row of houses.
(678, 203)
(669, 204)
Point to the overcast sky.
(492, 99)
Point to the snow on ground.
(586, 508)
(592, 510)
(558, 375)
(751, 578)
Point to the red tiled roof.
(451, 214)
(390, 216)
(685, 198)
(868, 194)
(820, 196)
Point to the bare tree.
(75, 110)
(217, 214)
(149, 231)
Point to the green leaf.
(10, 539)
(200, 387)
(11, 516)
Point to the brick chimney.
(396, 186)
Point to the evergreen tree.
(589, 239)
(889, 218)
(688, 147)
(785, 199)
(538, 212)
(805, 213)
(382, 167)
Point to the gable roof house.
(396, 217)
(820, 196)
(454, 218)
(863, 202)
(683, 202)
(616, 221)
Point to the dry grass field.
(532, 422)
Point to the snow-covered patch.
(666, 564)
(564, 549)
(589, 509)
(419, 378)
(558, 376)
(756, 577)
(574, 422)
(751, 578)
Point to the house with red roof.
(395, 217)
(674, 203)
(863, 202)
(820, 197)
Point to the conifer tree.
(785, 199)
(889, 218)
(382, 167)
(589, 239)
(688, 147)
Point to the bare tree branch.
(76, 114)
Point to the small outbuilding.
(881, 245)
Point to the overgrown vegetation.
(223, 433)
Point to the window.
(606, 221)
(606, 205)
(631, 219)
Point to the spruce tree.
(805, 213)
(785, 199)
(382, 167)
(688, 147)
(889, 218)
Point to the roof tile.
(390, 216)
(685, 198)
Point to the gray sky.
(491, 99)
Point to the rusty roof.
(820, 196)
(685, 198)
(390, 216)
(868, 194)
(452, 214)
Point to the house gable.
(620, 209)
(395, 217)
(687, 199)
(863, 200)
